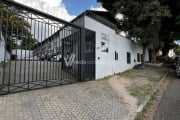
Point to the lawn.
(143, 81)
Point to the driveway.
(106, 99)
(24, 71)
(169, 108)
(22, 75)
(94, 100)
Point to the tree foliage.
(15, 28)
(141, 19)
(170, 29)
(177, 50)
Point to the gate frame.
(81, 57)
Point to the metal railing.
(35, 47)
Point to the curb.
(154, 64)
(142, 106)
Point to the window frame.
(138, 57)
(128, 57)
(116, 55)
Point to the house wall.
(3, 52)
(79, 21)
(22, 54)
(53, 45)
(105, 61)
(171, 53)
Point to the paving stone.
(82, 101)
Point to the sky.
(75, 7)
(64, 9)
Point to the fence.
(37, 44)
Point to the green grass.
(141, 115)
(128, 73)
(140, 92)
(154, 79)
(150, 77)
(139, 73)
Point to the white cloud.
(53, 7)
(98, 8)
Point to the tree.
(177, 23)
(28, 43)
(141, 19)
(15, 27)
(170, 29)
(177, 50)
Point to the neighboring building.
(111, 52)
(48, 46)
(171, 53)
(4, 55)
(22, 54)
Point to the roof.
(103, 17)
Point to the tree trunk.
(153, 56)
(165, 51)
(150, 55)
(143, 55)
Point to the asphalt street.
(169, 107)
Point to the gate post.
(82, 55)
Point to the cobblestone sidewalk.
(93, 100)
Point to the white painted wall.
(105, 61)
(171, 53)
(22, 54)
(79, 21)
(3, 52)
(106, 64)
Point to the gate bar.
(32, 10)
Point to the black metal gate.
(36, 49)
(89, 55)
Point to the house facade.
(106, 52)
(113, 52)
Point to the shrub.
(165, 59)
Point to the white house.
(171, 53)
(111, 52)
(50, 45)
(4, 55)
(22, 54)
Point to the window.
(116, 55)
(104, 47)
(138, 57)
(104, 42)
(128, 58)
(141, 57)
